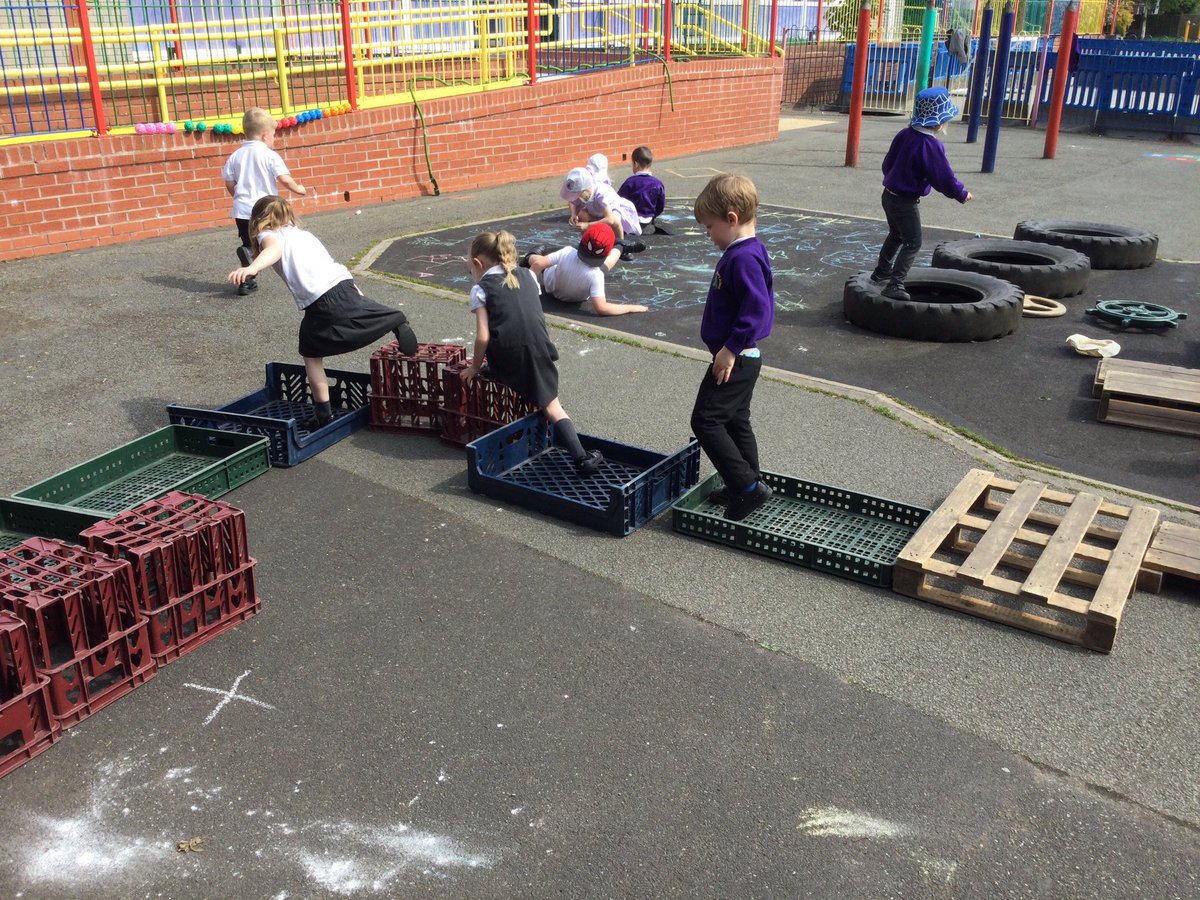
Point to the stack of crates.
(86, 633)
(27, 724)
(406, 391)
(190, 565)
(471, 411)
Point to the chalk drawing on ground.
(807, 251)
(226, 696)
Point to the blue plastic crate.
(276, 411)
(520, 462)
(805, 523)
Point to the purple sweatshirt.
(740, 308)
(646, 193)
(916, 162)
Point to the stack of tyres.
(406, 391)
(87, 635)
(191, 566)
(473, 410)
(27, 724)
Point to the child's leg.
(718, 405)
(904, 222)
(564, 430)
(245, 255)
(314, 367)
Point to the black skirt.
(342, 320)
(527, 369)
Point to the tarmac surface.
(449, 696)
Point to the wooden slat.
(1176, 550)
(1154, 418)
(1181, 389)
(1096, 531)
(987, 609)
(1026, 563)
(996, 540)
(1062, 498)
(944, 519)
(1117, 583)
(1061, 549)
(1040, 539)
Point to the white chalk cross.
(228, 695)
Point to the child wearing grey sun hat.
(915, 164)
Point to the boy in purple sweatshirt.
(738, 313)
(915, 163)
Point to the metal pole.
(999, 85)
(774, 25)
(1061, 73)
(89, 57)
(667, 4)
(532, 30)
(1041, 70)
(820, 19)
(925, 52)
(859, 84)
(348, 52)
(979, 75)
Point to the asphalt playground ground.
(448, 696)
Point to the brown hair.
(643, 157)
(269, 213)
(256, 121)
(727, 193)
(501, 248)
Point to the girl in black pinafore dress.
(511, 338)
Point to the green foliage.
(1177, 7)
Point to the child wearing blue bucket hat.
(915, 163)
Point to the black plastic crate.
(21, 519)
(841, 532)
(520, 462)
(277, 410)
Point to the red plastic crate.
(103, 675)
(199, 617)
(406, 391)
(26, 726)
(70, 599)
(471, 411)
(179, 544)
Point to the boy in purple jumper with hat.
(915, 163)
(738, 313)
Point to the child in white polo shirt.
(576, 274)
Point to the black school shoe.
(249, 286)
(590, 464)
(744, 504)
(878, 277)
(630, 246)
(895, 291)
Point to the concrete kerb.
(883, 404)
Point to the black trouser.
(721, 423)
(903, 242)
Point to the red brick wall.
(65, 195)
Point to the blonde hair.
(256, 121)
(727, 193)
(269, 213)
(501, 248)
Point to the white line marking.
(228, 695)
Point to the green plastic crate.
(176, 458)
(21, 519)
(852, 535)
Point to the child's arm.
(270, 254)
(603, 308)
(231, 186)
(756, 306)
(479, 354)
(292, 185)
(941, 175)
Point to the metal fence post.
(925, 53)
(531, 21)
(89, 57)
(774, 25)
(859, 84)
(979, 73)
(348, 53)
(1062, 68)
(667, 4)
(999, 84)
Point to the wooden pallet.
(1175, 550)
(1148, 395)
(1058, 564)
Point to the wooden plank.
(1063, 601)
(1040, 539)
(1153, 418)
(1185, 390)
(1117, 584)
(1175, 550)
(979, 565)
(1062, 498)
(1061, 548)
(1107, 366)
(944, 519)
(987, 609)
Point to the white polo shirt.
(255, 168)
(570, 279)
(305, 266)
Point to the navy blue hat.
(933, 108)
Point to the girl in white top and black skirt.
(338, 318)
(511, 337)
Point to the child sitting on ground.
(590, 202)
(254, 170)
(915, 162)
(576, 274)
(337, 317)
(510, 334)
(644, 191)
(738, 313)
